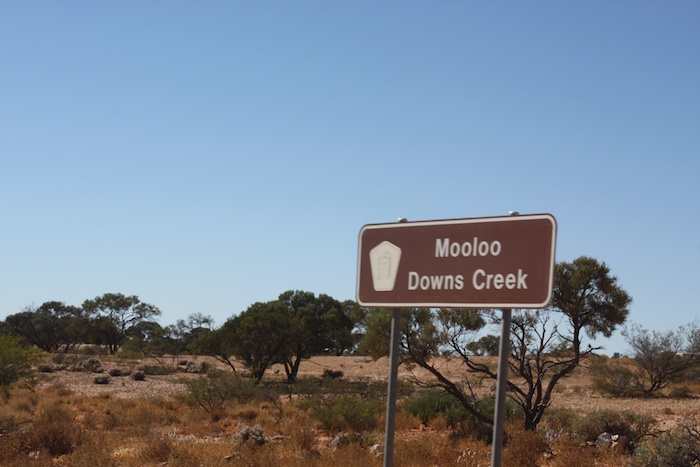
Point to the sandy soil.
(572, 393)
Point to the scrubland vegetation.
(219, 417)
(244, 393)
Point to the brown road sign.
(490, 262)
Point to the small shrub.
(58, 358)
(156, 450)
(433, 403)
(90, 350)
(524, 449)
(197, 367)
(15, 360)
(683, 391)
(613, 378)
(332, 374)
(116, 372)
(155, 370)
(138, 375)
(624, 423)
(46, 368)
(254, 435)
(679, 447)
(55, 430)
(346, 412)
(90, 365)
(101, 379)
(211, 392)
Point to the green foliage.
(590, 297)
(679, 447)
(51, 326)
(433, 403)
(487, 345)
(306, 387)
(613, 378)
(662, 358)
(114, 318)
(317, 326)
(157, 370)
(333, 374)
(624, 423)
(211, 392)
(258, 336)
(101, 379)
(345, 412)
(15, 360)
(217, 343)
(377, 336)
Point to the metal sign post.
(501, 387)
(490, 262)
(391, 390)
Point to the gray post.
(502, 383)
(391, 391)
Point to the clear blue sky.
(208, 155)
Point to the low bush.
(90, 365)
(54, 429)
(211, 392)
(254, 434)
(625, 423)
(433, 403)
(344, 413)
(156, 370)
(46, 368)
(679, 447)
(138, 375)
(524, 449)
(333, 374)
(613, 378)
(101, 379)
(15, 360)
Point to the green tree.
(662, 358)
(317, 325)
(114, 317)
(15, 360)
(425, 335)
(217, 343)
(486, 345)
(51, 326)
(586, 299)
(259, 336)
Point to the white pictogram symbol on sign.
(384, 261)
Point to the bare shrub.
(157, 450)
(524, 449)
(55, 430)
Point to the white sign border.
(475, 220)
